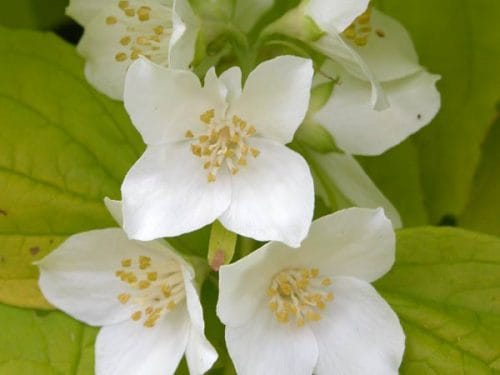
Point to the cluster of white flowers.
(216, 151)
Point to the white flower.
(386, 48)
(117, 32)
(143, 295)
(217, 152)
(313, 310)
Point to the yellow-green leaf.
(445, 287)
(64, 148)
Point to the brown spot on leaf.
(380, 33)
(34, 250)
(419, 116)
(217, 260)
(3, 212)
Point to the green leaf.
(458, 40)
(33, 14)
(483, 209)
(44, 343)
(64, 148)
(445, 287)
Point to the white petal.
(184, 34)
(265, 346)
(391, 56)
(200, 354)
(131, 348)
(357, 242)
(165, 103)
(232, 80)
(79, 276)
(336, 13)
(166, 193)
(359, 129)
(333, 46)
(84, 10)
(115, 209)
(359, 333)
(275, 98)
(99, 46)
(353, 182)
(272, 196)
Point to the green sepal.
(221, 246)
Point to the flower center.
(359, 31)
(299, 295)
(146, 29)
(222, 142)
(154, 288)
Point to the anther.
(159, 30)
(167, 292)
(143, 13)
(282, 316)
(326, 282)
(121, 56)
(135, 54)
(111, 20)
(125, 40)
(144, 284)
(207, 116)
(136, 315)
(255, 152)
(130, 12)
(251, 131)
(124, 297)
(361, 41)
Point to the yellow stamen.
(124, 297)
(121, 56)
(111, 20)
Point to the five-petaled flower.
(217, 152)
(313, 310)
(142, 293)
(117, 32)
